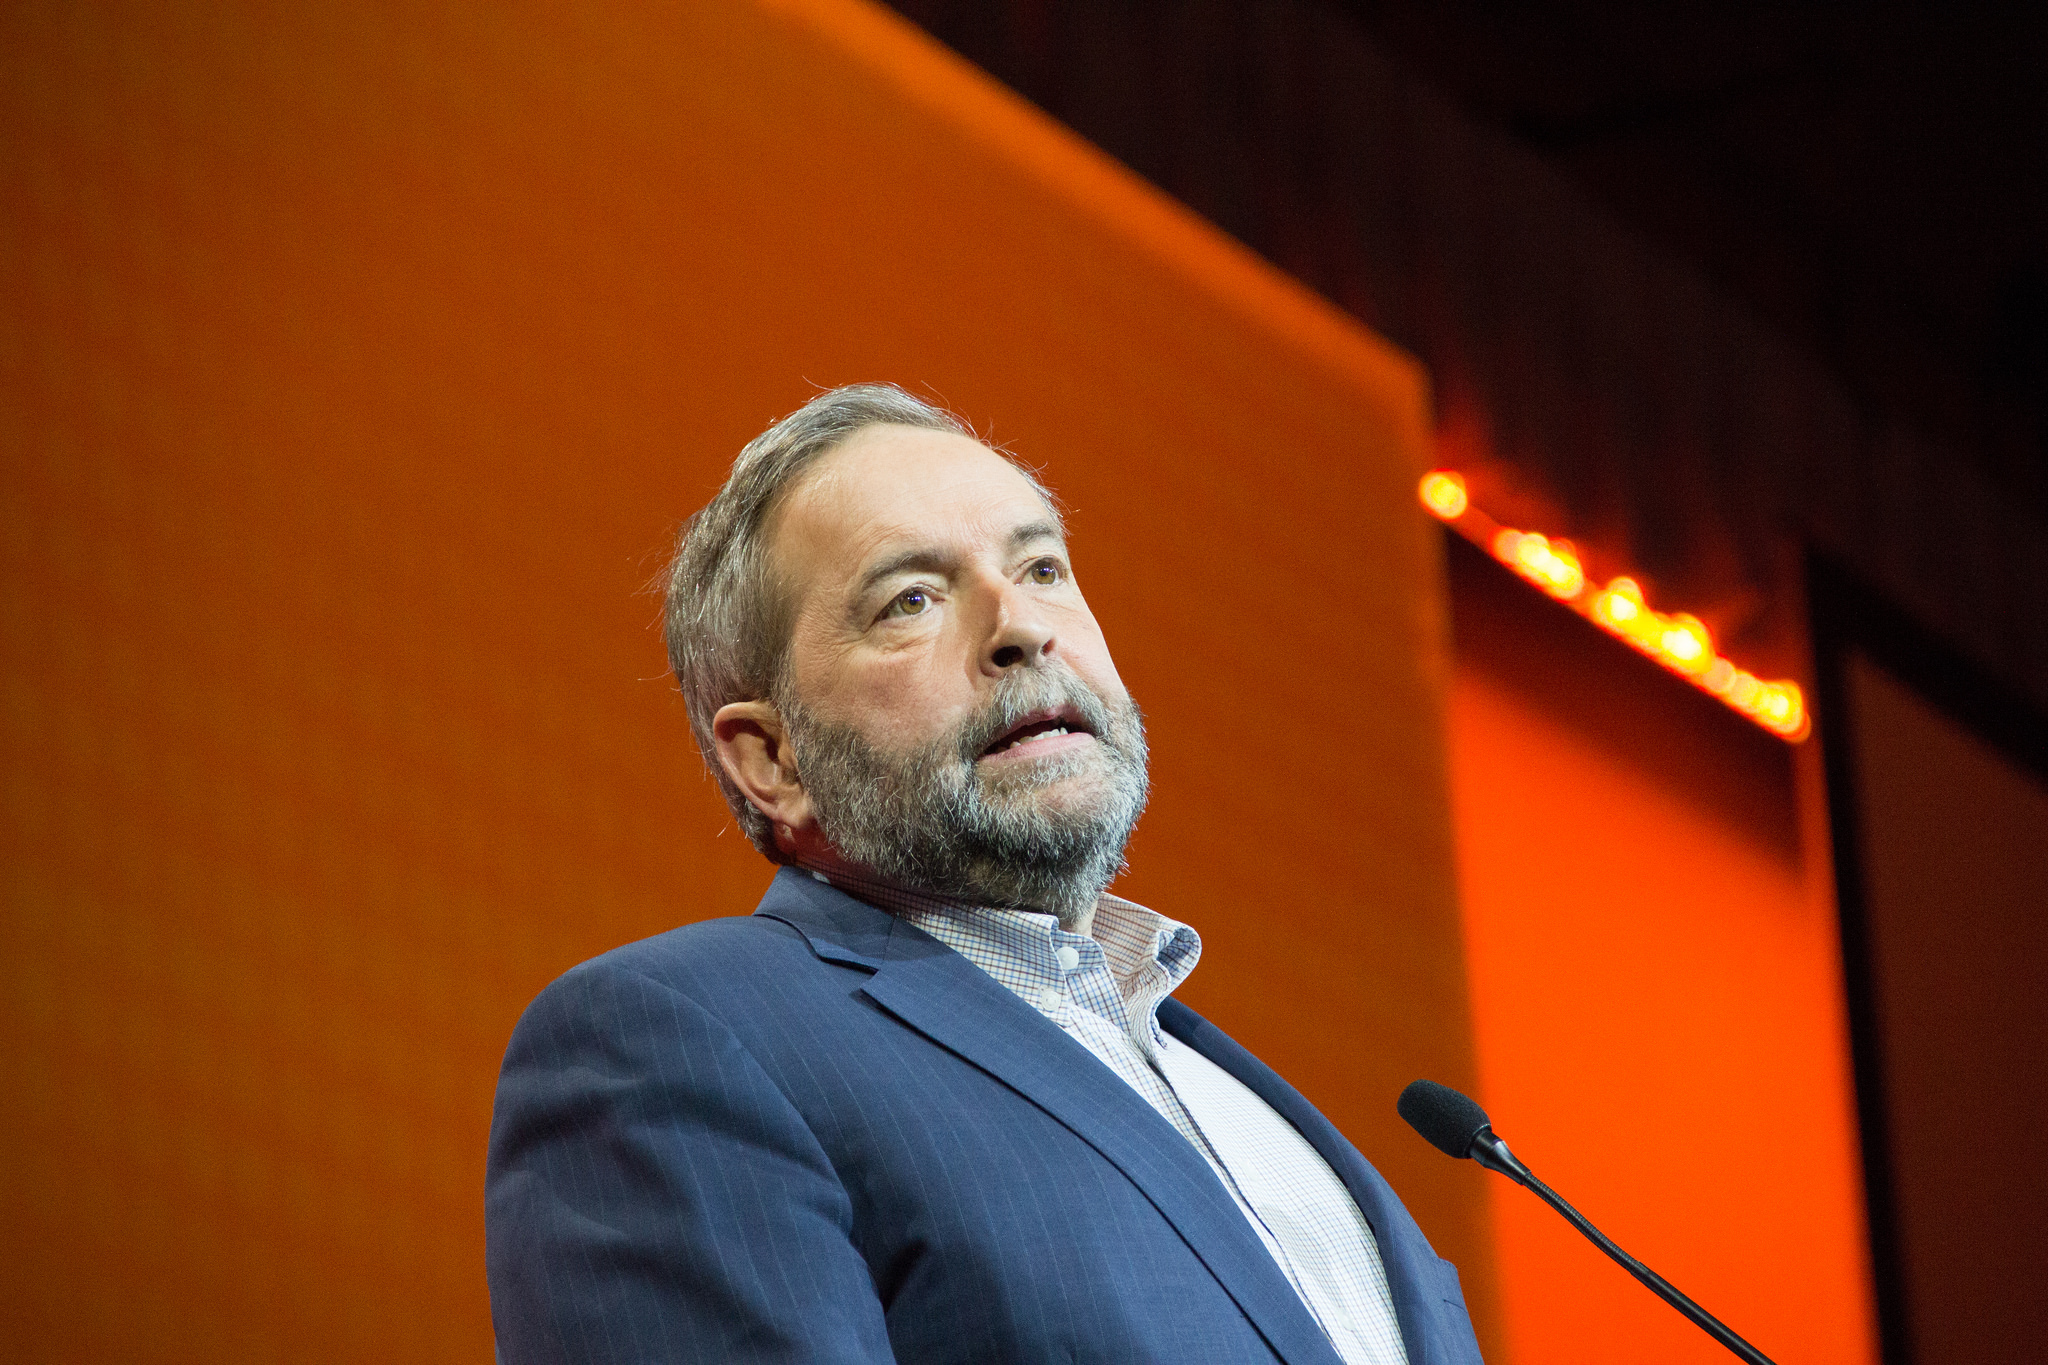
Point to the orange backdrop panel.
(356, 363)
(1657, 986)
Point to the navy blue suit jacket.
(818, 1134)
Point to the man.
(931, 1101)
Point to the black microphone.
(1455, 1125)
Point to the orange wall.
(1656, 977)
(356, 363)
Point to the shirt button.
(1069, 956)
(1049, 998)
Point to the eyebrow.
(1035, 530)
(933, 560)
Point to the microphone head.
(1449, 1120)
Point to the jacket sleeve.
(651, 1195)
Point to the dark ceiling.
(1872, 178)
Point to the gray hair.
(727, 615)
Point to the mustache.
(1019, 694)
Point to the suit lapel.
(1411, 1264)
(949, 1000)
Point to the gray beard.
(933, 820)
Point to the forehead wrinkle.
(945, 551)
(885, 533)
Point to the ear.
(753, 748)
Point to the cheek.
(1088, 653)
(898, 698)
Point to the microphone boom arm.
(1489, 1151)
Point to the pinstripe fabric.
(1104, 990)
(817, 1134)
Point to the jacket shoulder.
(704, 961)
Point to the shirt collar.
(1148, 954)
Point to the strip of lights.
(1676, 640)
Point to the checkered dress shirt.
(1105, 991)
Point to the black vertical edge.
(1834, 607)
(1848, 616)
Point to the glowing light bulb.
(1552, 565)
(1443, 493)
(1779, 704)
(1685, 642)
(1619, 603)
(1790, 718)
(1563, 574)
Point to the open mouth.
(1040, 732)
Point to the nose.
(1022, 637)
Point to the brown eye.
(1045, 573)
(910, 602)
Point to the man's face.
(949, 696)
